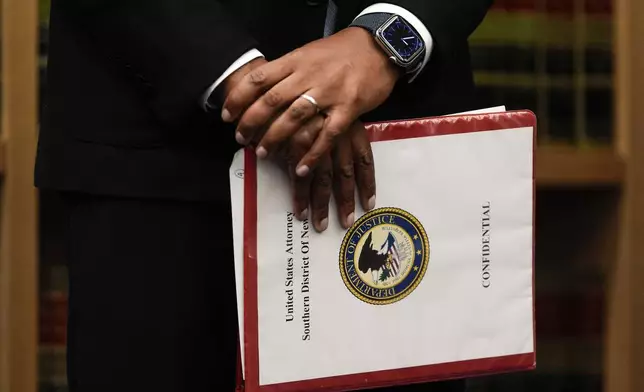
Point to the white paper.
(494, 109)
(237, 207)
(506, 178)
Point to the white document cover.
(436, 282)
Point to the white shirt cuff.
(414, 21)
(240, 62)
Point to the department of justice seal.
(384, 256)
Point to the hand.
(350, 164)
(353, 166)
(347, 74)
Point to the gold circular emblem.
(384, 256)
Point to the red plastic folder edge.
(381, 131)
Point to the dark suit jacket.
(121, 113)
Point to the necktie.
(331, 14)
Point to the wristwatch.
(397, 37)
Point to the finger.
(280, 158)
(321, 190)
(299, 144)
(267, 107)
(364, 166)
(344, 181)
(301, 194)
(336, 123)
(295, 148)
(293, 118)
(259, 134)
(253, 86)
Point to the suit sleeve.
(450, 22)
(175, 48)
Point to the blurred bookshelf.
(556, 58)
(569, 166)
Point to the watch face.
(403, 39)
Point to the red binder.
(383, 131)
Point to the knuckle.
(346, 68)
(333, 133)
(272, 98)
(364, 158)
(257, 77)
(315, 156)
(298, 112)
(346, 171)
(324, 179)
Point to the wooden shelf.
(555, 167)
(2, 158)
(574, 167)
